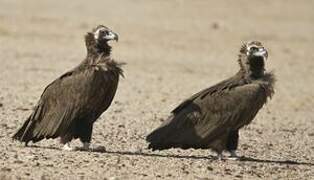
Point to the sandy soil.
(173, 49)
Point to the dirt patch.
(172, 50)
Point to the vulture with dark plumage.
(71, 104)
(211, 119)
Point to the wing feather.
(65, 101)
(206, 116)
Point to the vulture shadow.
(41, 147)
(124, 153)
(287, 162)
(209, 157)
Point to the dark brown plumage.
(213, 117)
(71, 104)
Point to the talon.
(219, 157)
(67, 147)
(86, 146)
(90, 148)
(233, 156)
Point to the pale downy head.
(102, 34)
(252, 58)
(97, 40)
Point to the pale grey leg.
(233, 155)
(67, 147)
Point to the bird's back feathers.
(81, 94)
(208, 115)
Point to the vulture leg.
(219, 145)
(65, 140)
(67, 147)
(220, 156)
(85, 130)
(86, 146)
(232, 144)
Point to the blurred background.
(172, 49)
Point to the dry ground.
(173, 49)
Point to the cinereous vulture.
(211, 119)
(71, 104)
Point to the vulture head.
(252, 59)
(97, 40)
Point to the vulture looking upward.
(212, 118)
(71, 104)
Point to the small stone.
(121, 126)
(215, 25)
(18, 161)
(6, 169)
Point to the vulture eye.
(254, 49)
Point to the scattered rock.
(121, 126)
(228, 171)
(161, 119)
(21, 109)
(49, 165)
(6, 169)
(18, 161)
(215, 25)
(238, 176)
(4, 126)
(100, 149)
(117, 111)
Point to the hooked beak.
(112, 36)
(261, 53)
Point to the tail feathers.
(156, 141)
(167, 137)
(25, 133)
(21, 132)
(158, 146)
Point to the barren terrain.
(172, 49)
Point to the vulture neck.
(251, 70)
(104, 50)
(95, 51)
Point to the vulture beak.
(261, 53)
(112, 36)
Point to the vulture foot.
(88, 147)
(233, 156)
(219, 157)
(67, 147)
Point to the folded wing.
(209, 115)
